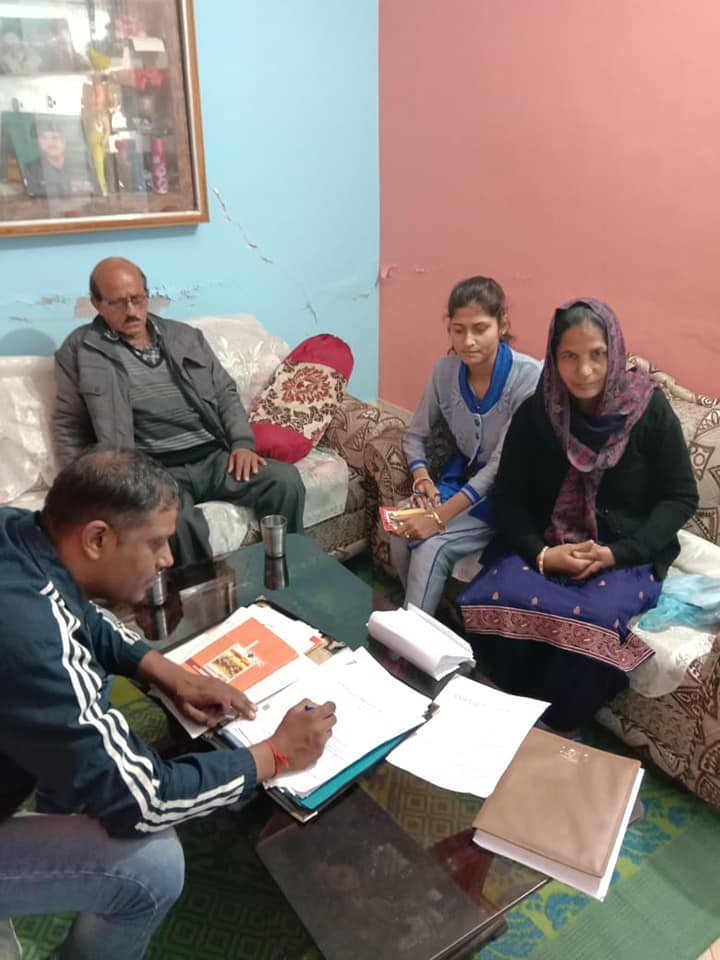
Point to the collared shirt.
(150, 355)
(164, 421)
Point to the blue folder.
(328, 790)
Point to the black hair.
(95, 290)
(574, 316)
(484, 293)
(119, 487)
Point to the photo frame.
(100, 124)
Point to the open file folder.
(374, 711)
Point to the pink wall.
(565, 147)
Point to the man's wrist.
(156, 669)
(262, 754)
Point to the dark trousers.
(276, 488)
(576, 686)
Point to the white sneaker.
(10, 948)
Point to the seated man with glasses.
(131, 379)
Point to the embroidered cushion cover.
(290, 416)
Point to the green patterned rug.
(663, 904)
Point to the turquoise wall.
(289, 100)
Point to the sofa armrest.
(679, 731)
(386, 467)
(673, 389)
(388, 482)
(355, 423)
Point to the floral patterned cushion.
(295, 409)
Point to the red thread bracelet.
(281, 761)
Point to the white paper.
(421, 639)
(371, 707)
(596, 887)
(193, 730)
(470, 742)
(294, 632)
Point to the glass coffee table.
(389, 870)
(318, 589)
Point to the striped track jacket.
(59, 653)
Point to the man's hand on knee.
(244, 464)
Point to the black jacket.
(642, 501)
(57, 727)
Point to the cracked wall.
(292, 173)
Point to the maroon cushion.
(290, 416)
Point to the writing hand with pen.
(299, 740)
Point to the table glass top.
(435, 833)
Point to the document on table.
(371, 708)
(421, 639)
(298, 635)
(473, 737)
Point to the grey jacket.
(479, 437)
(93, 405)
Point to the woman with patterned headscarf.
(594, 482)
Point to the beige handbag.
(562, 800)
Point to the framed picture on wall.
(99, 116)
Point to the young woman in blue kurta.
(475, 391)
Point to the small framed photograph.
(99, 116)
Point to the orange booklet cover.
(243, 656)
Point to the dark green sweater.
(642, 501)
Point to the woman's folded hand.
(577, 560)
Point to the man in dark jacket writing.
(116, 862)
(132, 379)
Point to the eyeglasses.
(138, 300)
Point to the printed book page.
(294, 635)
(300, 636)
(243, 656)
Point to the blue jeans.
(120, 889)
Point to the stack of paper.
(469, 743)
(372, 707)
(562, 808)
(421, 639)
(257, 650)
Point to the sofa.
(673, 714)
(337, 509)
